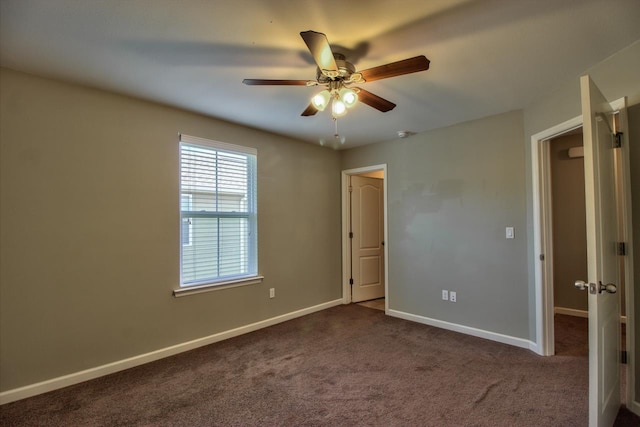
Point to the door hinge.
(541, 257)
(351, 234)
(351, 281)
(350, 189)
(617, 140)
(622, 248)
(623, 357)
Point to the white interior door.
(602, 258)
(367, 245)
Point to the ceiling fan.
(339, 76)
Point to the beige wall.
(451, 193)
(90, 229)
(569, 223)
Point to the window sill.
(217, 286)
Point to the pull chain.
(336, 135)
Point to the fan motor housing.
(345, 69)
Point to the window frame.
(221, 282)
(189, 224)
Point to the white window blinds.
(218, 212)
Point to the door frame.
(543, 232)
(543, 242)
(346, 242)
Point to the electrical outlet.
(445, 295)
(453, 297)
(272, 292)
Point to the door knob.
(609, 288)
(581, 285)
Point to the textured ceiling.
(487, 56)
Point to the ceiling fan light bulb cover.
(321, 100)
(338, 108)
(349, 97)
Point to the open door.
(602, 257)
(367, 241)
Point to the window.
(218, 216)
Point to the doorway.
(568, 257)
(365, 257)
(569, 245)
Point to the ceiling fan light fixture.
(338, 108)
(337, 75)
(321, 100)
(349, 97)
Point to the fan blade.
(406, 66)
(321, 51)
(310, 111)
(375, 101)
(261, 82)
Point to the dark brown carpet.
(349, 365)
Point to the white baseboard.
(537, 349)
(579, 313)
(634, 407)
(570, 312)
(120, 365)
(493, 336)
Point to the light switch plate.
(510, 233)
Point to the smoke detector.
(405, 133)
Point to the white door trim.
(346, 242)
(543, 270)
(542, 232)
